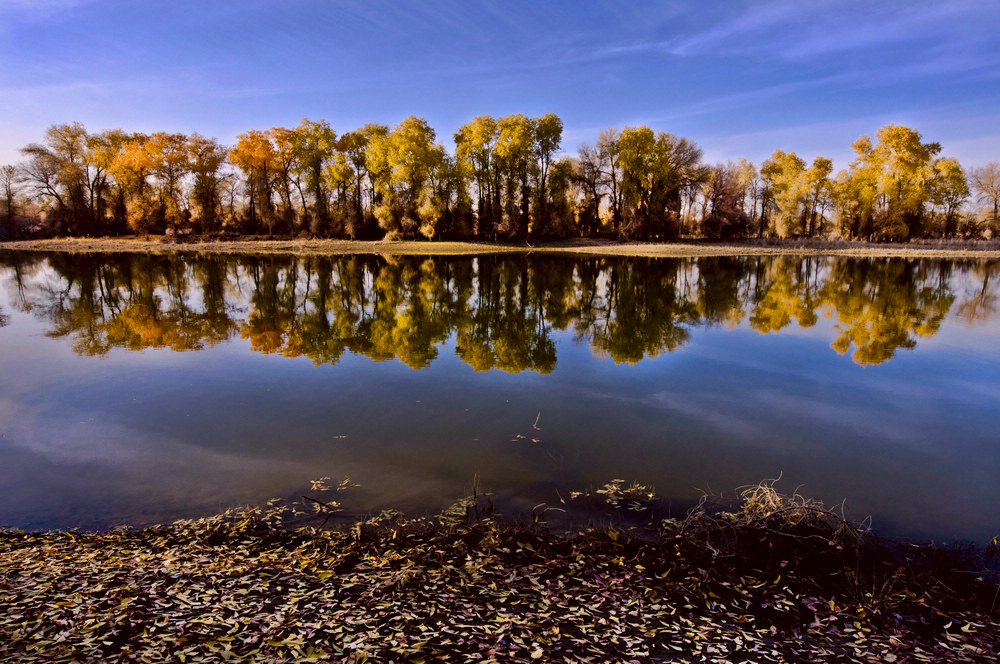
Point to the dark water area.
(138, 389)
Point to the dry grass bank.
(926, 249)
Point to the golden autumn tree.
(474, 150)
(254, 155)
(168, 154)
(205, 160)
(313, 146)
(883, 195)
(949, 189)
(405, 158)
(132, 167)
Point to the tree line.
(507, 180)
(500, 310)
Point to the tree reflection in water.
(502, 310)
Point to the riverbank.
(159, 245)
(775, 579)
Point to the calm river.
(139, 389)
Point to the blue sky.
(740, 78)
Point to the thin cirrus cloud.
(800, 30)
(36, 10)
(707, 71)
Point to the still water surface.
(138, 389)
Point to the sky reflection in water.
(874, 381)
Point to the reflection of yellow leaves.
(502, 312)
(263, 339)
(474, 352)
(880, 304)
(790, 295)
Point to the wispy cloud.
(731, 68)
(831, 139)
(968, 136)
(740, 100)
(41, 5)
(793, 30)
(37, 10)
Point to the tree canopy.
(509, 179)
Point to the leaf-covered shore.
(774, 579)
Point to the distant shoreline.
(682, 249)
